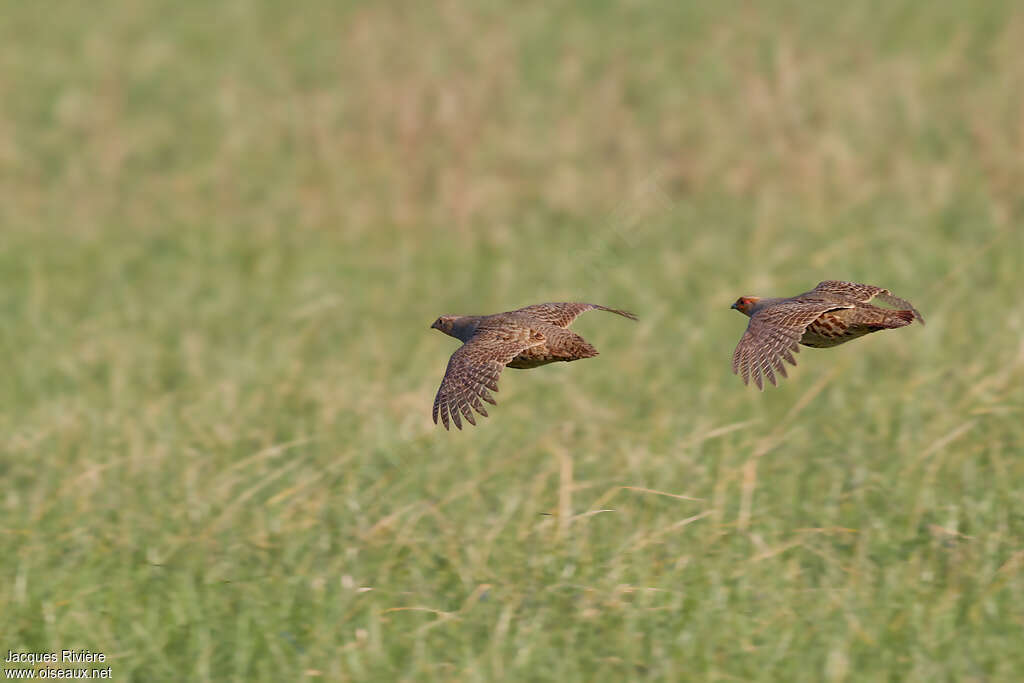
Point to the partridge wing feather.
(562, 314)
(855, 292)
(773, 335)
(852, 292)
(475, 367)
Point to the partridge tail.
(571, 346)
(578, 348)
(894, 319)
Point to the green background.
(225, 229)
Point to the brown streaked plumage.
(832, 313)
(524, 338)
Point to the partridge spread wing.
(562, 314)
(474, 368)
(854, 292)
(772, 336)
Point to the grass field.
(225, 230)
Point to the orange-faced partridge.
(524, 338)
(832, 313)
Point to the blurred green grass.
(226, 230)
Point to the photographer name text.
(52, 657)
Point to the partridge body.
(832, 313)
(524, 338)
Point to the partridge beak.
(735, 306)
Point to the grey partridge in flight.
(524, 338)
(832, 313)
